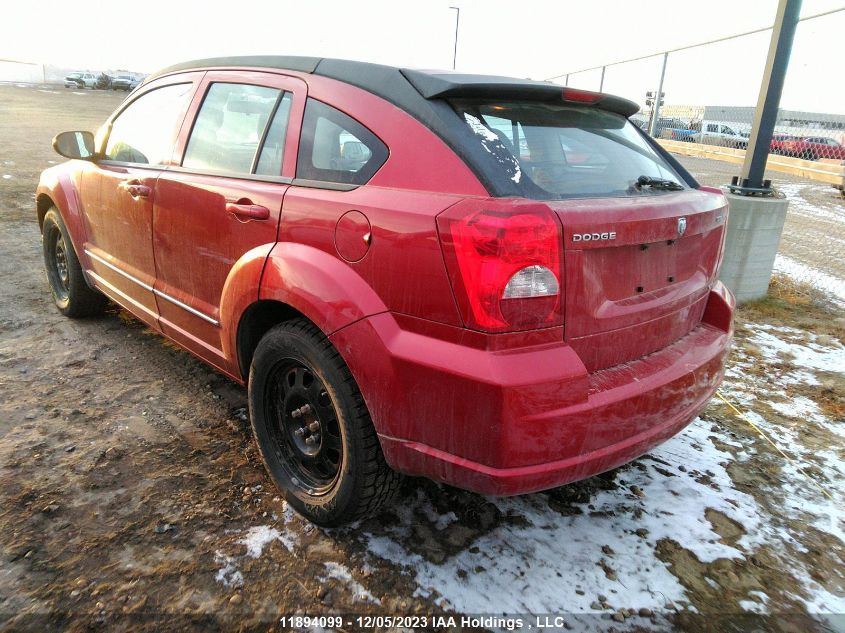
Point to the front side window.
(145, 132)
(229, 127)
(334, 147)
(553, 150)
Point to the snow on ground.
(799, 205)
(342, 573)
(256, 539)
(540, 564)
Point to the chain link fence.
(699, 101)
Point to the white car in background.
(716, 133)
(81, 80)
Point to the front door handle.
(245, 209)
(135, 189)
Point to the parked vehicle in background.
(667, 123)
(813, 148)
(495, 283)
(678, 134)
(777, 144)
(715, 133)
(124, 82)
(81, 80)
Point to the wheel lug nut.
(305, 408)
(299, 432)
(310, 440)
(295, 413)
(314, 426)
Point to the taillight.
(504, 266)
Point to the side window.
(144, 133)
(273, 150)
(727, 130)
(334, 147)
(712, 128)
(229, 127)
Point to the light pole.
(457, 23)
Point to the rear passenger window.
(273, 150)
(334, 147)
(229, 127)
(144, 133)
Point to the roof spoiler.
(443, 85)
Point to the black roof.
(391, 83)
(423, 94)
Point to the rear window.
(563, 151)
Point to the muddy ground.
(132, 497)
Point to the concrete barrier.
(825, 170)
(755, 226)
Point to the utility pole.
(457, 24)
(751, 181)
(601, 81)
(658, 101)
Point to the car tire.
(71, 293)
(313, 429)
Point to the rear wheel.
(71, 293)
(313, 428)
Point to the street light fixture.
(457, 23)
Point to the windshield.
(563, 151)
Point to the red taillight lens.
(504, 267)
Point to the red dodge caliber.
(499, 284)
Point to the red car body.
(813, 148)
(635, 345)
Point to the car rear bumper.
(477, 413)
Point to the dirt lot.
(132, 498)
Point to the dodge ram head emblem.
(682, 225)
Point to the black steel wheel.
(307, 435)
(313, 429)
(71, 292)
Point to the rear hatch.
(637, 271)
(641, 241)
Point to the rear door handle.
(135, 189)
(248, 210)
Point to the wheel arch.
(43, 203)
(296, 281)
(254, 323)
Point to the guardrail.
(822, 170)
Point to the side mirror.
(74, 145)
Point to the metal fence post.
(655, 112)
(566, 83)
(766, 113)
(601, 83)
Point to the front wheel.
(313, 429)
(71, 293)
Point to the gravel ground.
(133, 498)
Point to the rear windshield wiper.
(657, 183)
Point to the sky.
(528, 38)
